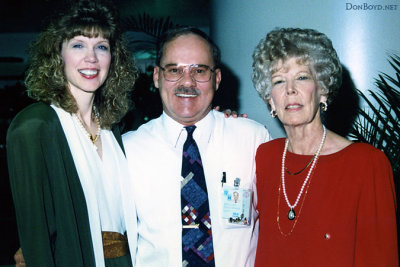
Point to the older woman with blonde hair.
(322, 199)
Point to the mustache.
(187, 90)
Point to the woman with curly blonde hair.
(65, 155)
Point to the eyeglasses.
(200, 73)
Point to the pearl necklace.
(92, 138)
(292, 214)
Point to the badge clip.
(236, 182)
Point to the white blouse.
(100, 179)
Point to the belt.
(114, 244)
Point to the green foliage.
(378, 124)
(147, 24)
(142, 33)
(151, 30)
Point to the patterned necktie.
(197, 245)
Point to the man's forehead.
(190, 48)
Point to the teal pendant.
(291, 214)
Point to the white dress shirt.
(154, 154)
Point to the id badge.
(236, 204)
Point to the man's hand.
(19, 258)
(229, 113)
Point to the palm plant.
(378, 124)
(142, 34)
(148, 31)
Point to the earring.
(324, 106)
(273, 113)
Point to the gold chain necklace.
(297, 218)
(92, 138)
(296, 173)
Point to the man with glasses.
(186, 164)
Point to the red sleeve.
(376, 241)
